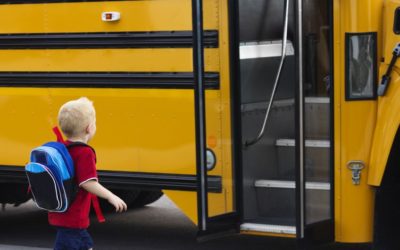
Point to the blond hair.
(75, 116)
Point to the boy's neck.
(78, 139)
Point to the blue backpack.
(51, 174)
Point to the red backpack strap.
(97, 209)
(57, 131)
(29, 191)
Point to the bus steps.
(276, 199)
(273, 176)
(316, 159)
(266, 228)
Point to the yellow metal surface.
(354, 125)
(139, 60)
(155, 15)
(138, 130)
(219, 139)
(224, 202)
(386, 128)
(388, 105)
(185, 201)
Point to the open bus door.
(285, 106)
(285, 170)
(314, 155)
(209, 225)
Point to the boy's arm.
(92, 186)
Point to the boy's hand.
(118, 203)
(92, 186)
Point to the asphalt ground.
(157, 226)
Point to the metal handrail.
(200, 117)
(284, 45)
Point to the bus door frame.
(321, 232)
(208, 227)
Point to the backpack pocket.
(45, 188)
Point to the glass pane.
(361, 66)
(396, 26)
(268, 165)
(317, 110)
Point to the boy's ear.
(87, 130)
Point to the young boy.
(77, 120)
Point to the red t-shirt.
(77, 215)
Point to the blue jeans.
(73, 239)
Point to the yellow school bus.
(275, 118)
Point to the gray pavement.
(11, 247)
(158, 226)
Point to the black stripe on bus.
(160, 80)
(128, 180)
(157, 39)
(155, 180)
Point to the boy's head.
(77, 118)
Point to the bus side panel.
(142, 129)
(386, 129)
(388, 105)
(139, 130)
(355, 121)
(140, 16)
(26, 115)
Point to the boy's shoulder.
(80, 148)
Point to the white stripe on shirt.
(83, 182)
